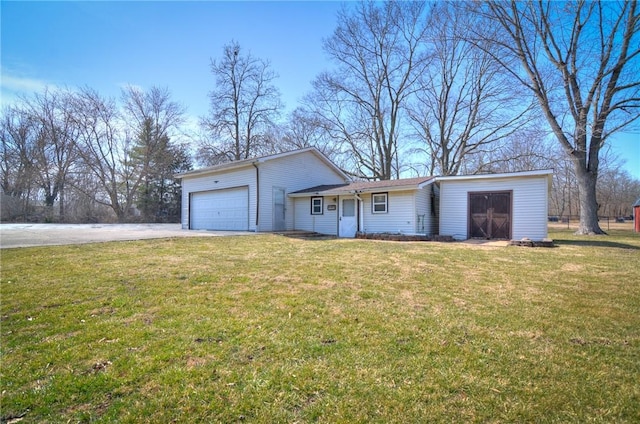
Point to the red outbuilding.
(636, 215)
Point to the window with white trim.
(317, 204)
(379, 203)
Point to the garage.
(220, 210)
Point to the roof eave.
(524, 174)
(411, 187)
(346, 192)
(217, 168)
(331, 192)
(252, 162)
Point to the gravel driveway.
(26, 235)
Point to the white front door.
(348, 218)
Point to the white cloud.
(12, 86)
(20, 84)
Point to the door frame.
(489, 193)
(356, 214)
(284, 208)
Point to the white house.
(303, 190)
(251, 194)
(406, 206)
(502, 206)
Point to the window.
(316, 205)
(379, 203)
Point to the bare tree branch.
(244, 105)
(580, 59)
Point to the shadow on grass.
(595, 243)
(305, 235)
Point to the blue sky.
(107, 45)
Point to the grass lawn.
(270, 329)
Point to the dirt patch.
(198, 361)
(484, 244)
(569, 267)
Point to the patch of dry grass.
(276, 329)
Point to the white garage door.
(220, 210)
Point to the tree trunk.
(120, 214)
(588, 204)
(62, 211)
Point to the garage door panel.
(220, 210)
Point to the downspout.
(360, 215)
(257, 193)
(436, 208)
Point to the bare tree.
(616, 189)
(467, 103)
(244, 105)
(60, 146)
(304, 129)
(154, 119)
(378, 50)
(105, 150)
(155, 106)
(17, 135)
(581, 60)
(525, 150)
(54, 153)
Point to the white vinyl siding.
(327, 223)
(244, 177)
(293, 172)
(423, 211)
(400, 217)
(529, 205)
(403, 209)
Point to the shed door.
(490, 215)
(220, 210)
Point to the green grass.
(272, 329)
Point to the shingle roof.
(320, 188)
(359, 186)
(405, 182)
